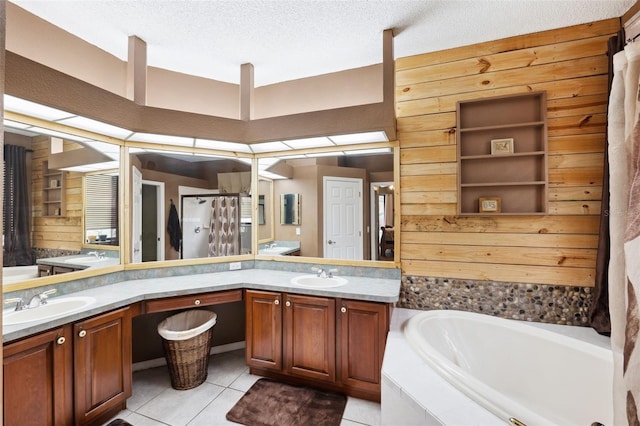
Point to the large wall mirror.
(190, 205)
(347, 197)
(60, 207)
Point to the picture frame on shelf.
(502, 146)
(490, 205)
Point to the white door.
(343, 218)
(136, 226)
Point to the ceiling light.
(62, 135)
(369, 151)
(354, 138)
(308, 143)
(15, 124)
(270, 175)
(326, 154)
(99, 127)
(161, 139)
(107, 165)
(32, 109)
(269, 147)
(222, 145)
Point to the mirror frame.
(125, 195)
(395, 151)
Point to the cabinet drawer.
(192, 301)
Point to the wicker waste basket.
(187, 339)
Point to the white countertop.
(126, 292)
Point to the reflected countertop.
(79, 261)
(124, 293)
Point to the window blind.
(101, 202)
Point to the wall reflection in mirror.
(50, 224)
(191, 205)
(340, 201)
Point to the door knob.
(331, 242)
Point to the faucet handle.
(330, 272)
(18, 301)
(316, 269)
(45, 295)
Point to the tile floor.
(156, 403)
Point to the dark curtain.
(16, 209)
(599, 317)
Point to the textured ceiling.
(286, 40)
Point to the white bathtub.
(12, 274)
(538, 374)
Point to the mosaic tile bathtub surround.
(529, 302)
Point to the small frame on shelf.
(501, 146)
(489, 205)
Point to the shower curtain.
(16, 209)
(624, 215)
(224, 233)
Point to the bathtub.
(12, 274)
(496, 371)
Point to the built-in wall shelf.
(502, 155)
(53, 187)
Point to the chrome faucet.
(40, 298)
(319, 272)
(97, 254)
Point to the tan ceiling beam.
(137, 71)
(27, 79)
(246, 92)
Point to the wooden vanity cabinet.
(310, 337)
(263, 329)
(76, 374)
(361, 336)
(333, 343)
(37, 379)
(102, 353)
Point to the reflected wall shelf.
(53, 187)
(518, 174)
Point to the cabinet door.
(362, 336)
(102, 350)
(263, 329)
(37, 380)
(310, 336)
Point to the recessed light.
(223, 145)
(354, 138)
(161, 139)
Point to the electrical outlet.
(234, 266)
(297, 231)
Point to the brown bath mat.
(270, 403)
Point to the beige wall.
(40, 41)
(570, 64)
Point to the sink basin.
(55, 307)
(84, 259)
(274, 250)
(314, 281)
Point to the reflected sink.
(313, 281)
(85, 259)
(55, 307)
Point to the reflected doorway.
(152, 221)
(382, 217)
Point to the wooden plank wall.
(64, 233)
(570, 64)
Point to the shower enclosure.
(215, 225)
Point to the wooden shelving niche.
(513, 179)
(53, 187)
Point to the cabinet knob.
(82, 333)
(288, 303)
(60, 340)
(196, 302)
(276, 302)
(343, 309)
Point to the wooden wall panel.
(63, 233)
(570, 64)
